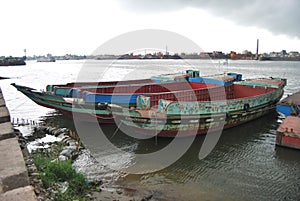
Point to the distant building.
(294, 54)
(283, 53)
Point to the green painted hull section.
(212, 107)
(184, 128)
(191, 118)
(56, 102)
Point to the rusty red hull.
(288, 133)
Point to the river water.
(244, 165)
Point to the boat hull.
(288, 133)
(84, 112)
(287, 110)
(212, 109)
(193, 118)
(193, 125)
(290, 105)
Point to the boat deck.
(273, 82)
(290, 125)
(288, 133)
(293, 99)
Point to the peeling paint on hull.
(191, 129)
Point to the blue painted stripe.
(116, 99)
(284, 109)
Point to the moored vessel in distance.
(46, 59)
(12, 61)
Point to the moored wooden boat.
(250, 100)
(125, 92)
(65, 89)
(67, 106)
(290, 105)
(191, 107)
(288, 133)
(70, 100)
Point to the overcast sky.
(80, 27)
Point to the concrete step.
(13, 172)
(23, 193)
(14, 180)
(6, 131)
(4, 115)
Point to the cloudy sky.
(79, 27)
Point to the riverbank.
(21, 179)
(59, 150)
(14, 181)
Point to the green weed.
(54, 171)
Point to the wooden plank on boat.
(293, 99)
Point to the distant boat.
(264, 58)
(290, 105)
(12, 61)
(46, 59)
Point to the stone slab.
(13, 172)
(6, 131)
(24, 194)
(4, 115)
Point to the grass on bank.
(52, 172)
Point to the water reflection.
(57, 119)
(239, 166)
(287, 155)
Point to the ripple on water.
(92, 169)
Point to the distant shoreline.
(15, 61)
(192, 58)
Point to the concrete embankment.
(14, 181)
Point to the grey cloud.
(277, 16)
